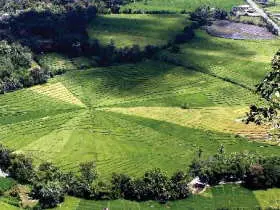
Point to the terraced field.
(128, 30)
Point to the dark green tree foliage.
(81, 185)
(21, 168)
(5, 157)
(88, 171)
(223, 167)
(46, 172)
(49, 194)
(103, 6)
(15, 68)
(204, 15)
(260, 115)
(269, 88)
(154, 185)
(263, 175)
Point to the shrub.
(122, 186)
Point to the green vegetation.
(68, 119)
(6, 184)
(128, 30)
(242, 62)
(129, 108)
(178, 5)
(224, 196)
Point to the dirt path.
(264, 15)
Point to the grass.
(179, 5)
(48, 126)
(128, 30)
(243, 62)
(128, 118)
(220, 119)
(6, 184)
(56, 63)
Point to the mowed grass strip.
(179, 5)
(221, 119)
(57, 91)
(137, 29)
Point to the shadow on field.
(150, 26)
(135, 79)
(47, 31)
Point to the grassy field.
(72, 118)
(134, 117)
(128, 30)
(179, 5)
(243, 62)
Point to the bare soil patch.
(232, 30)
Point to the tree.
(255, 178)
(122, 186)
(48, 172)
(21, 168)
(49, 194)
(88, 172)
(5, 157)
(179, 185)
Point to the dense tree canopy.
(16, 68)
